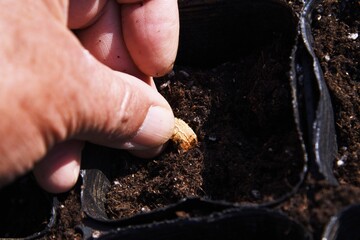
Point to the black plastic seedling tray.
(203, 217)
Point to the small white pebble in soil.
(145, 209)
(197, 120)
(353, 36)
(340, 163)
(96, 234)
(342, 160)
(327, 57)
(164, 85)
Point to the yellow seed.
(183, 135)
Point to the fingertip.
(156, 130)
(151, 33)
(59, 181)
(58, 172)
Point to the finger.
(105, 41)
(151, 32)
(83, 13)
(59, 170)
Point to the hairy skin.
(59, 89)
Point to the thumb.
(119, 110)
(115, 110)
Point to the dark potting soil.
(335, 27)
(241, 114)
(248, 150)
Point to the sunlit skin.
(81, 71)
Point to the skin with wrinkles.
(77, 71)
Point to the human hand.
(54, 94)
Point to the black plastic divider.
(244, 223)
(344, 225)
(312, 103)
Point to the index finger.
(151, 33)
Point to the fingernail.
(156, 129)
